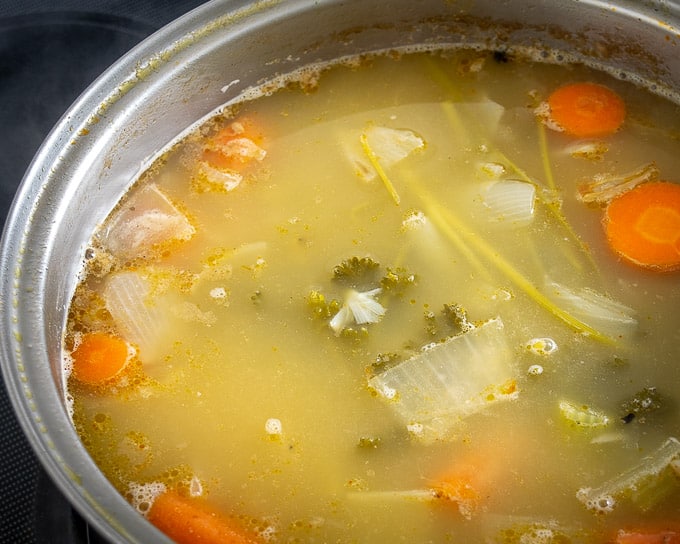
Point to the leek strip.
(457, 124)
(450, 221)
(455, 120)
(420, 495)
(554, 209)
(379, 169)
(442, 79)
(440, 221)
(545, 158)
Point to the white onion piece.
(451, 380)
(389, 146)
(635, 480)
(600, 312)
(145, 221)
(139, 320)
(509, 201)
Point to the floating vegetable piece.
(126, 295)
(585, 110)
(595, 309)
(397, 280)
(145, 224)
(643, 225)
(359, 308)
(635, 481)
(356, 268)
(99, 357)
(226, 155)
(643, 403)
(234, 147)
(592, 150)
(655, 537)
(448, 381)
(388, 146)
(189, 520)
(510, 202)
(582, 415)
(604, 187)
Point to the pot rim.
(35, 388)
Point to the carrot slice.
(586, 109)
(643, 225)
(663, 537)
(99, 357)
(192, 521)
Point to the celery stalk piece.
(435, 389)
(639, 482)
(144, 222)
(127, 298)
(375, 163)
(384, 147)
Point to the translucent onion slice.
(600, 312)
(146, 221)
(389, 146)
(637, 482)
(511, 202)
(441, 385)
(126, 295)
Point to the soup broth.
(379, 305)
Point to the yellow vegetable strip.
(444, 217)
(434, 213)
(379, 169)
(545, 157)
(449, 108)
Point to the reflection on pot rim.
(176, 78)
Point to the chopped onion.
(144, 222)
(598, 311)
(510, 201)
(389, 146)
(126, 296)
(636, 481)
(451, 380)
(592, 150)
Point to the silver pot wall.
(183, 73)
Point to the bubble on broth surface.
(142, 495)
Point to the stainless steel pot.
(183, 73)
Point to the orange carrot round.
(643, 225)
(191, 521)
(99, 357)
(661, 537)
(586, 110)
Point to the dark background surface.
(50, 51)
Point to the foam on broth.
(240, 391)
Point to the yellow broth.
(242, 350)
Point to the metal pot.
(182, 74)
